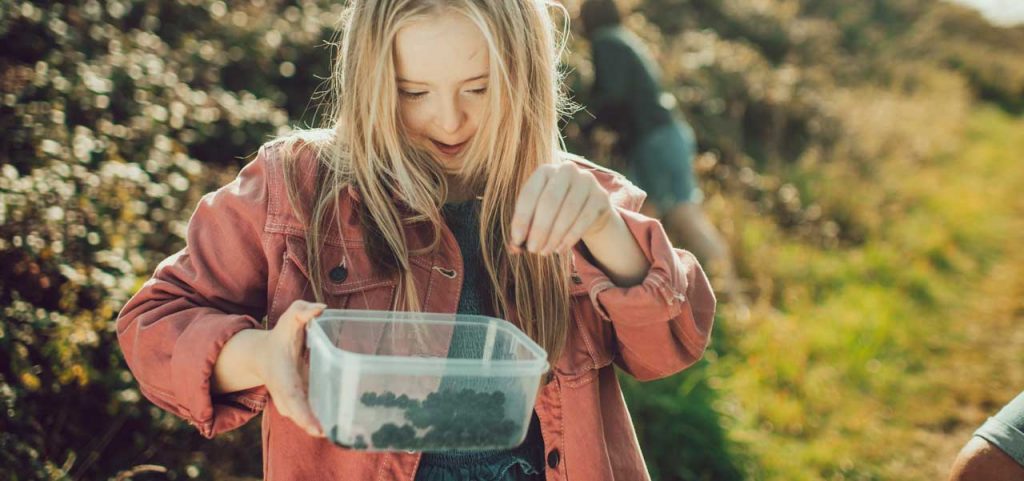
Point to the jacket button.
(553, 458)
(338, 274)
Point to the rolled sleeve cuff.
(192, 364)
(672, 308)
(659, 297)
(651, 301)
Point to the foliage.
(117, 117)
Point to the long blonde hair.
(400, 184)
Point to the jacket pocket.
(348, 277)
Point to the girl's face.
(442, 63)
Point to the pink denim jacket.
(245, 261)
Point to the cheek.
(413, 119)
(476, 111)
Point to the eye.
(479, 91)
(411, 95)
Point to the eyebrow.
(478, 77)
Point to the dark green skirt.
(662, 165)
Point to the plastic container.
(403, 381)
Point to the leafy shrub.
(117, 117)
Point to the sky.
(1002, 12)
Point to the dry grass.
(877, 360)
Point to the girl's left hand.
(559, 205)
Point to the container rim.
(314, 331)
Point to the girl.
(441, 187)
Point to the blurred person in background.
(658, 145)
(996, 451)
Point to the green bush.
(117, 117)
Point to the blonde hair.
(400, 184)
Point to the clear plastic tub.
(403, 381)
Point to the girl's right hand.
(282, 366)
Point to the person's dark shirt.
(626, 96)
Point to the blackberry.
(453, 419)
(369, 398)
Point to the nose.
(450, 116)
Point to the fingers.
(557, 207)
(286, 383)
(592, 214)
(548, 207)
(573, 205)
(291, 402)
(297, 409)
(300, 312)
(526, 204)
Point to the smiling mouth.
(448, 148)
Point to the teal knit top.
(523, 463)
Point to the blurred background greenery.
(862, 158)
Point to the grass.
(875, 361)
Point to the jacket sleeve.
(173, 329)
(662, 325)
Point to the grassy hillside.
(858, 368)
